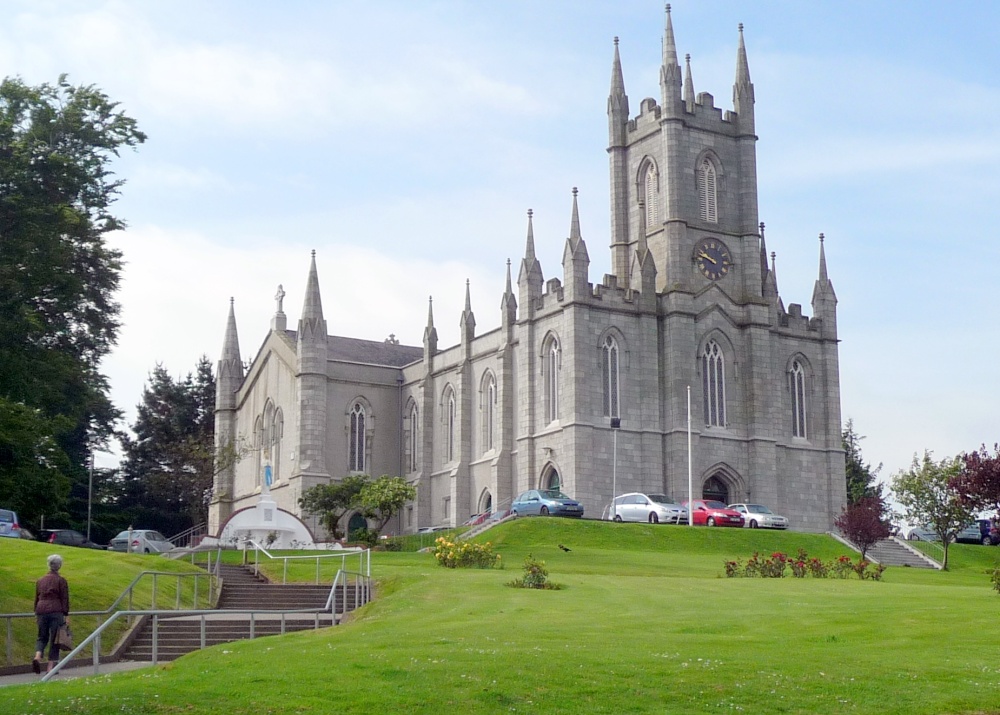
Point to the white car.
(144, 541)
(758, 516)
(654, 508)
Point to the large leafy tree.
(58, 279)
(332, 501)
(927, 495)
(979, 480)
(384, 497)
(169, 463)
(862, 478)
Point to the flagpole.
(690, 482)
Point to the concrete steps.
(895, 552)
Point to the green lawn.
(645, 624)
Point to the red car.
(706, 512)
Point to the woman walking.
(51, 612)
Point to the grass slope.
(645, 624)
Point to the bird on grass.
(565, 548)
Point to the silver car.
(759, 516)
(143, 541)
(654, 508)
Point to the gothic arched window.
(551, 368)
(258, 450)
(489, 413)
(609, 376)
(797, 378)
(450, 427)
(277, 432)
(651, 197)
(707, 202)
(713, 380)
(356, 455)
(414, 439)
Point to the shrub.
(995, 578)
(393, 543)
(465, 554)
(535, 576)
(366, 536)
(802, 565)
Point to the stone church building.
(692, 302)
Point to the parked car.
(989, 533)
(9, 525)
(917, 532)
(708, 512)
(653, 508)
(543, 502)
(758, 515)
(972, 534)
(144, 541)
(67, 537)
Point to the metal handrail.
(362, 595)
(364, 555)
(212, 598)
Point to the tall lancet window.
(489, 413)
(414, 439)
(609, 376)
(797, 377)
(551, 368)
(713, 378)
(357, 439)
(651, 198)
(277, 432)
(707, 192)
(450, 427)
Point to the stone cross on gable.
(280, 296)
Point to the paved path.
(70, 673)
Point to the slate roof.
(368, 352)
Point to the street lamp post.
(616, 424)
(90, 492)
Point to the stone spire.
(529, 280)
(670, 71)
(229, 377)
(311, 322)
(467, 323)
(771, 286)
(688, 85)
(430, 332)
(743, 97)
(230, 365)
(617, 103)
(576, 260)
(823, 290)
(508, 303)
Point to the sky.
(405, 141)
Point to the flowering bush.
(802, 565)
(465, 554)
(535, 576)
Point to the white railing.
(364, 560)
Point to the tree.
(862, 479)
(332, 501)
(928, 497)
(169, 465)
(864, 522)
(58, 277)
(979, 481)
(383, 498)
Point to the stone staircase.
(895, 552)
(241, 590)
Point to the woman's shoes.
(36, 666)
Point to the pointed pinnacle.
(430, 311)
(529, 249)
(617, 79)
(822, 260)
(508, 287)
(742, 66)
(231, 342)
(763, 252)
(574, 225)
(688, 82)
(669, 45)
(312, 306)
(468, 297)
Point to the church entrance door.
(552, 480)
(357, 522)
(715, 489)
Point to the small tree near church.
(383, 498)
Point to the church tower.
(684, 180)
(228, 378)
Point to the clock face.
(712, 258)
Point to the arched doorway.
(551, 479)
(357, 522)
(486, 503)
(715, 488)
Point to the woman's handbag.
(64, 637)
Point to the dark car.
(67, 537)
(989, 534)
